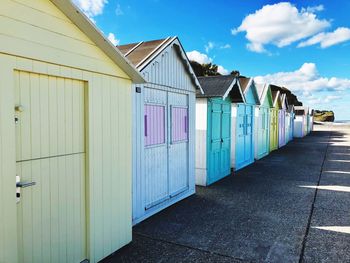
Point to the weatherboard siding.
(201, 140)
(39, 30)
(168, 70)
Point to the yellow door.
(50, 156)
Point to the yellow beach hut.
(65, 136)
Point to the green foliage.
(324, 116)
(210, 69)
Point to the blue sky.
(304, 45)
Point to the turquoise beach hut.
(242, 151)
(213, 127)
(262, 121)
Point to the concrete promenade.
(292, 206)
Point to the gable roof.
(221, 86)
(264, 91)
(92, 32)
(275, 97)
(246, 85)
(141, 54)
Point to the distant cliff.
(324, 115)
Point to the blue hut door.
(226, 139)
(219, 139)
(244, 135)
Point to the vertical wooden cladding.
(163, 161)
(64, 99)
(110, 164)
(168, 70)
(54, 107)
(50, 139)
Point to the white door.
(178, 143)
(156, 148)
(50, 152)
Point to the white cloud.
(305, 80)
(111, 37)
(281, 25)
(91, 7)
(222, 70)
(226, 46)
(340, 35)
(312, 89)
(204, 59)
(119, 11)
(209, 46)
(313, 9)
(198, 57)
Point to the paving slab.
(266, 212)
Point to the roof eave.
(86, 26)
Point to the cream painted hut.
(65, 136)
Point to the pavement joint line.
(301, 257)
(195, 248)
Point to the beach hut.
(310, 125)
(65, 136)
(291, 116)
(242, 147)
(300, 121)
(274, 119)
(213, 127)
(164, 126)
(282, 121)
(262, 121)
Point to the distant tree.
(197, 68)
(235, 73)
(204, 69)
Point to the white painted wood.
(163, 174)
(201, 141)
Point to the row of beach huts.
(95, 138)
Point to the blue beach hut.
(242, 151)
(213, 127)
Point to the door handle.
(24, 185)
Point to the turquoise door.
(219, 142)
(244, 136)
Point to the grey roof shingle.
(217, 86)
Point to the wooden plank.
(27, 216)
(53, 116)
(35, 175)
(34, 122)
(62, 206)
(54, 210)
(44, 116)
(24, 48)
(106, 163)
(61, 136)
(25, 116)
(68, 110)
(56, 22)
